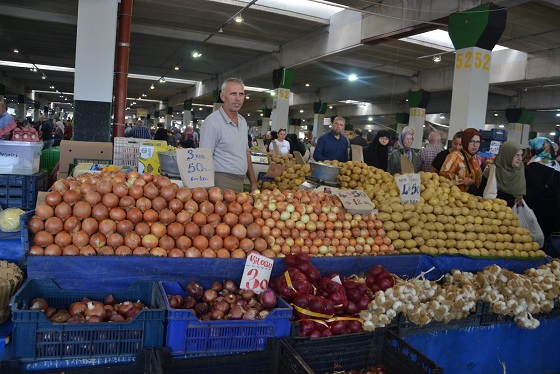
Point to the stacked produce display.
(112, 213)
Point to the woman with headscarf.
(510, 173)
(404, 147)
(463, 167)
(543, 185)
(377, 153)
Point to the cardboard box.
(274, 170)
(83, 151)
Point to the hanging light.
(238, 18)
(437, 58)
(152, 87)
(162, 80)
(16, 50)
(196, 53)
(176, 67)
(352, 77)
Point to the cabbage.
(9, 219)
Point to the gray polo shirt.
(227, 142)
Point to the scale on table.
(259, 157)
(321, 175)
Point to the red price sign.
(256, 273)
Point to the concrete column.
(93, 81)
(474, 34)
(36, 107)
(187, 112)
(282, 80)
(519, 126)
(169, 117)
(418, 100)
(22, 109)
(318, 126)
(265, 120)
(217, 101)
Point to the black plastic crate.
(278, 358)
(405, 327)
(360, 351)
(20, 191)
(488, 317)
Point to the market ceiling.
(323, 44)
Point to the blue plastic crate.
(187, 336)
(20, 191)
(36, 338)
(486, 134)
(499, 135)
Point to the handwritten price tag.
(355, 201)
(256, 273)
(409, 187)
(196, 167)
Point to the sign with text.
(256, 273)
(355, 201)
(409, 187)
(196, 167)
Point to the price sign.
(355, 201)
(409, 187)
(196, 167)
(495, 147)
(256, 273)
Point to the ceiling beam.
(38, 15)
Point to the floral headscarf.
(539, 149)
(406, 131)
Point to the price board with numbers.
(356, 201)
(196, 167)
(409, 187)
(256, 273)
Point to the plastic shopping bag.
(528, 220)
(491, 190)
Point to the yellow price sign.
(418, 112)
(466, 60)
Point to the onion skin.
(38, 304)
(268, 299)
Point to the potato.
(528, 246)
(441, 235)
(501, 246)
(471, 236)
(441, 251)
(493, 252)
(459, 227)
(385, 208)
(397, 207)
(478, 243)
(481, 236)
(388, 225)
(449, 227)
(461, 220)
(489, 245)
(393, 235)
(464, 252)
(474, 252)
(440, 242)
(410, 243)
(452, 251)
(484, 252)
(451, 235)
(402, 226)
(438, 210)
(407, 214)
(431, 217)
(398, 244)
(430, 226)
(419, 240)
(413, 221)
(460, 237)
(450, 243)
(405, 235)
(384, 217)
(396, 217)
(535, 246)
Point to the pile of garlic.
(422, 301)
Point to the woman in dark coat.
(377, 153)
(543, 185)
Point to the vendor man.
(225, 133)
(332, 145)
(7, 122)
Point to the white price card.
(355, 201)
(196, 167)
(256, 273)
(409, 187)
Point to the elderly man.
(224, 132)
(438, 161)
(139, 131)
(332, 145)
(7, 122)
(429, 152)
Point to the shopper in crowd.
(358, 138)
(273, 137)
(224, 132)
(171, 138)
(296, 144)
(190, 129)
(161, 132)
(187, 140)
(377, 153)
(543, 185)
(427, 154)
(440, 157)
(7, 122)
(58, 133)
(402, 148)
(281, 142)
(463, 167)
(369, 138)
(68, 130)
(510, 174)
(267, 139)
(46, 132)
(332, 145)
(139, 131)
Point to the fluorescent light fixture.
(272, 93)
(330, 106)
(16, 50)
(557, 114)
(176, 68)
(246, 97)
(152, 87)
(256, 89)
(370, 119)
(307, 85)
(44, 76)
(437, 58)
(352, 77)
(350, 102)
(495, 114)
(501, 126)
(301, 110)
(442, 116)
(196, 53)
(162, 80)
(238, 18)
(552, 133)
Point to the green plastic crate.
(49, 158)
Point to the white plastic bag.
(491, 189)
(9, 219)
(528, 220)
